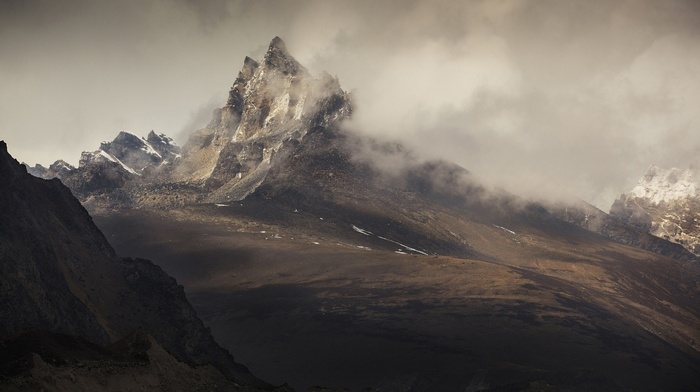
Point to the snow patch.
(403, 246)
(361, 231)
(149, 149)
(112, 158)
(504, 229)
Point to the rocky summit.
(272, 105)
(666, 203)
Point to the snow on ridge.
(149, 149)
(504, 229)
(368, 233)
(361, 231)
(404, 246)
(114, 159)
(145, 145)
(659, 185)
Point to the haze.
(581, 94)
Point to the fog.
(581, 96)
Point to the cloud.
(524, 92)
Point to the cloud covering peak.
(526, 92)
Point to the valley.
(322, 256)
(314, 302)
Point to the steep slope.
(618, 228)
(666, 204)
(279, 117)
(59, 274)
(42, 361)
(126, 159)
(271, 105)
(323, 266)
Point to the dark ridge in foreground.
(59, 274)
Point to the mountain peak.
(9, 166)
(278, 58)
(659, 184)
(278, 44)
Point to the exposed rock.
(270, 105)
(59, 274)
(277, 133)
(55, 362)
(58, 169)
(666, 204)
(620, 230)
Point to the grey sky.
(583, 94)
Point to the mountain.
(272, 105)
(134, 154)
(276, 113)
(665, 203)
(325, 257)
(60, 275)
(618, 229)
(58, 169)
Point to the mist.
(529, 94)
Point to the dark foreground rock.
(59, 274)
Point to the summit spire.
(278, 58)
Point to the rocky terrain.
(426, 298)
(666, 204)
(321, 267)
(620, 229)
(43, 361)
(58, 169)
(59, 274)
(276, 118)
(272, 105)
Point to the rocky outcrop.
(59, 274)
(270, 104)
(58, 169)
(128, 159)
(610, 225)
(666, 204)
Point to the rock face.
(610, 225)
(271, 104)
(59, 274)
(278, 135)
(58, 169)
(666, 204)
(42, 361)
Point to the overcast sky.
(583, 94)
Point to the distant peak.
(248, 62)
(660, 185)
(249, 67)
